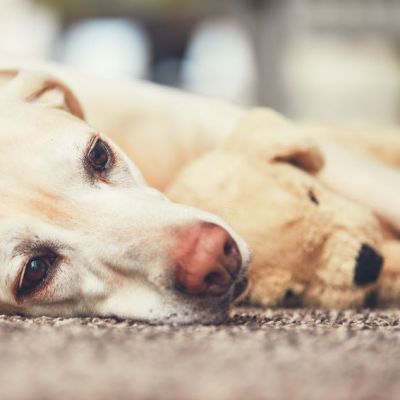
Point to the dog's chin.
(196, 313)
(173, 309)
(205, 311)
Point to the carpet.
(257, 354)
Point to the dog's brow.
(35, 246)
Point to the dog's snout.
(210, 262)
(368, 266)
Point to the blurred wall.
(313, 59)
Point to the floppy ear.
(39, 88)
(268, 135)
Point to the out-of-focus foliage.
(77, 8)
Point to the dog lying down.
(81, 232)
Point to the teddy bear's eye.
(313, 197)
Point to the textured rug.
(258, 354)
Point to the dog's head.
(82, 234)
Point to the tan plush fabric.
(306, 239)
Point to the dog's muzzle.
(208, 262)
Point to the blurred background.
(326, 60)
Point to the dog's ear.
(39, 88)
(268, 135)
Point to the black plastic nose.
(368, 266)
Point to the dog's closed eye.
(35, 274)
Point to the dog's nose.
(209, 263)
(368, 266)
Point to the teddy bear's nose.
(368, 266)
(210, 263)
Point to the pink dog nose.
(207, 262)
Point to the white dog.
(82, 234)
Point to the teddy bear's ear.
(39, 88)
(268, 135)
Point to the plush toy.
(310, 246)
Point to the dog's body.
(112, 245)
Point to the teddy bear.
(311, 246)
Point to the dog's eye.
(313, 198)
(35, 273)
(99, 156)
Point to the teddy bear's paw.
(276, 289)
(331, 297)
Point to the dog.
(83, 234)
